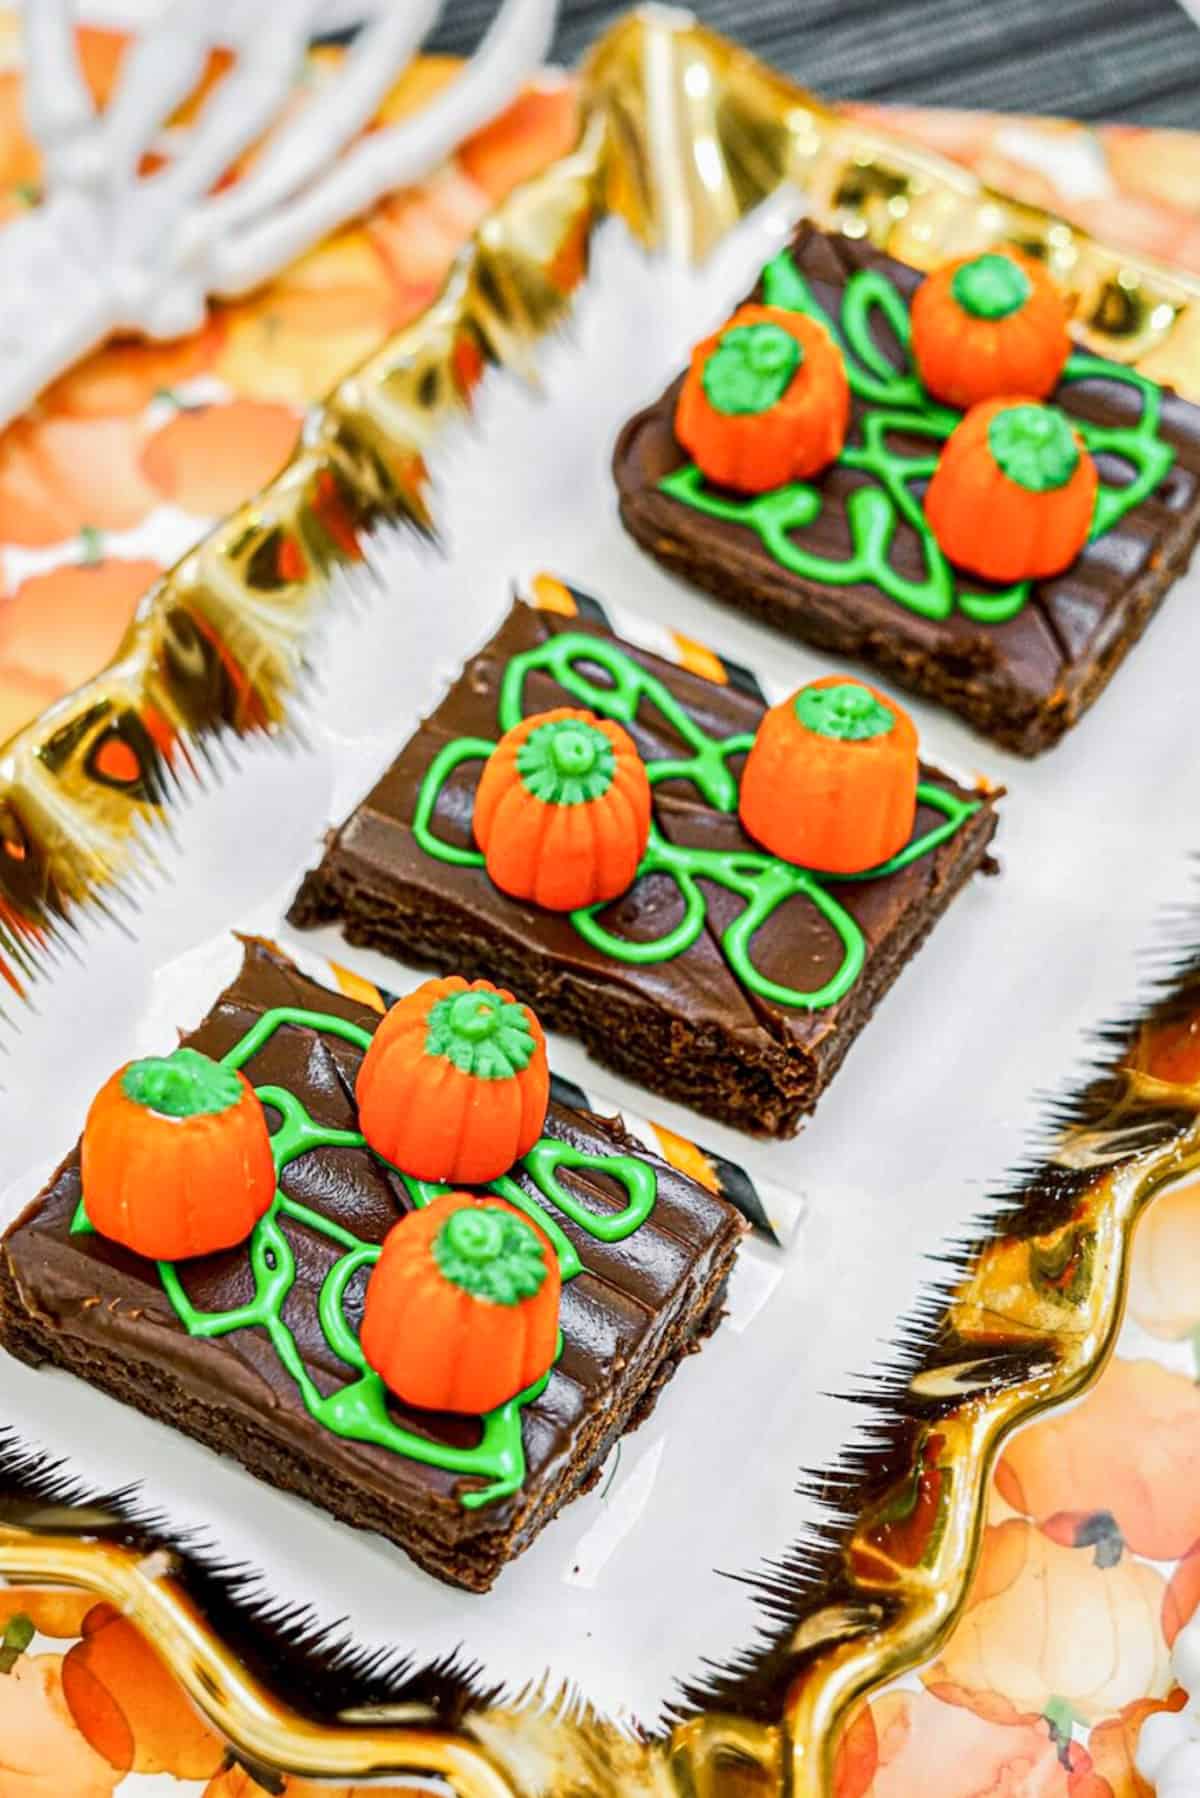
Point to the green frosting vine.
(482, 1033)
(490, 1254)
(360, 1409)
(895, 404)
(760, 880)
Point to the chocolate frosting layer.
(376, 855)
(611, 1314)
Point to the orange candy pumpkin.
(461, 1312)
(831, 778)
(562, 811)
(455, 1084)
(176, 1157)
(765, 400)
(1014, 492)
(984, 326)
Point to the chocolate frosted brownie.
(845, 560)
(254, 1350)
(724, 977)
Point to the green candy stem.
(566, 762)
(482, 1033)
(991, 287)
(847, 711)
(751, 369)
(490, 1254)
(185, 1084)
(1034, 446)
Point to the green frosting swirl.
(482, 1033)
(185, 1084)
(847, 711)
(751, 369)
(1034, 446)
(566, 762)
(991, 287)
(490, 1254)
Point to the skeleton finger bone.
(517, 41)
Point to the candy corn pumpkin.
(562, 811)
(1014, 492)
(831, 778)
(985, 326)
(461, 1310)
(454, 1086)
(176, 1157)
(765, 401)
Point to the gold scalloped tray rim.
(663, 99)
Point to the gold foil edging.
(880, 1616)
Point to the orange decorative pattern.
(1090, 1563)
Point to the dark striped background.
(1092, 59)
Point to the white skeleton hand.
(114, 250)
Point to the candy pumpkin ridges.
(176, 1157)
(765, 401)
(830, 782)
(461, 1310)
(984, 326)
(1014, 492)
(455, 1084)
(562, 811)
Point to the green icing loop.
(490, 1254)
(1034, 446)
(751, 369)
(894, 403)
(991, 286)
(360, 1409)
(760, 880)
(847, 711)
(566, 762)
(481, 1033)
(184, 1084)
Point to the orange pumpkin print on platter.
(911, 1743)
(461, 1310)
(1047, 1623)
(455, 1085)
(209, 459)
(1069, 1462)
(128, 1706)
(43, 1753)
(562, 811)
(1014, 492)
(765, 401)
(984, 326)
(176, 1157)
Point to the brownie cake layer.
(1025, 681)
(685, 1027)
(80, 1302)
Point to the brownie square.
(1022, 665)
(688, 1025)
(638, 1306)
